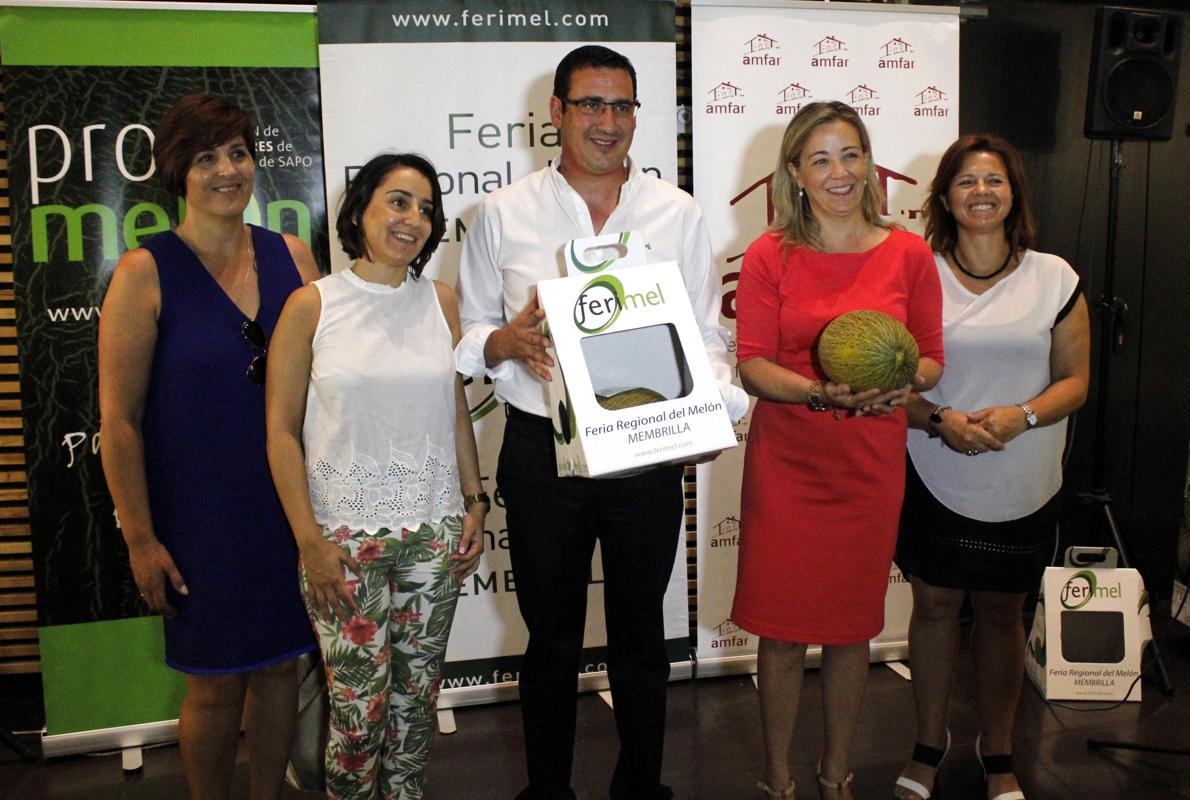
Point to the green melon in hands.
(868, 350)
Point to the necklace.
(249, 270)
(955, 256)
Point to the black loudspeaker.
(1134, 74)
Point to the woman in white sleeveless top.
(985, 449)
(374, 459)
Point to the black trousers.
(553, 524)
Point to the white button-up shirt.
(517, 239)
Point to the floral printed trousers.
(383, 664)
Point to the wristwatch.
(1030, 414)
(935, 419)
(481, 497)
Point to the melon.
(868, 350)
(629, 398)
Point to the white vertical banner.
(754, 65)
(467, 84)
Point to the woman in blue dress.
(182, 340)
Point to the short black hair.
(591, 56)
(196, 123)
(359, 193)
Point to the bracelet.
(479, 497)
(814, 398)
(935, 419)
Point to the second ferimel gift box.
(632, 386)
(1089, 631)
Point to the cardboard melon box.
(1089, 631)
(632, 385)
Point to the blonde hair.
(792, 216)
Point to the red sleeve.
(925, 299)
(758, 301)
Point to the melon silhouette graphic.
(628, 398)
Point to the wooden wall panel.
(18, 599)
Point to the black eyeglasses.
(595, 106)
(253, 333)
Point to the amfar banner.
(754, 67)
(468, 85)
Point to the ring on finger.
(973, 452)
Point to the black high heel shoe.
(929, 757)
(997, 765)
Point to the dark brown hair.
(196, 123)
(1020, 228)
(590, 56)
(359, 193)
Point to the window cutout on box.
(1093, 637)
(637, 367)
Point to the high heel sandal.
(928, 757)
(997, 765)
(825, 785)
(788, 793)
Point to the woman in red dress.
(824, 468)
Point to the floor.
(713, 746)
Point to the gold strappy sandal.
(841, 790)
(788, 793)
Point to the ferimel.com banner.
(83, 89)
(467, 83)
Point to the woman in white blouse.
(985, 450)
(373, 455)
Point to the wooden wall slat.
(20, 666)
(19, 650)
(29, 650)
(17, 599)
(16, 634)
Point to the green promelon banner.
(83, 89)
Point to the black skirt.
(948, 550)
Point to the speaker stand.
(1103, 500)
(1113, 310)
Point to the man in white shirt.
(516, 240)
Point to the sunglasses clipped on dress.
(254, 334)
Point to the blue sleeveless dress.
(210, 491)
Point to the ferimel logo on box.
(599, 304)
(1082, 587)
